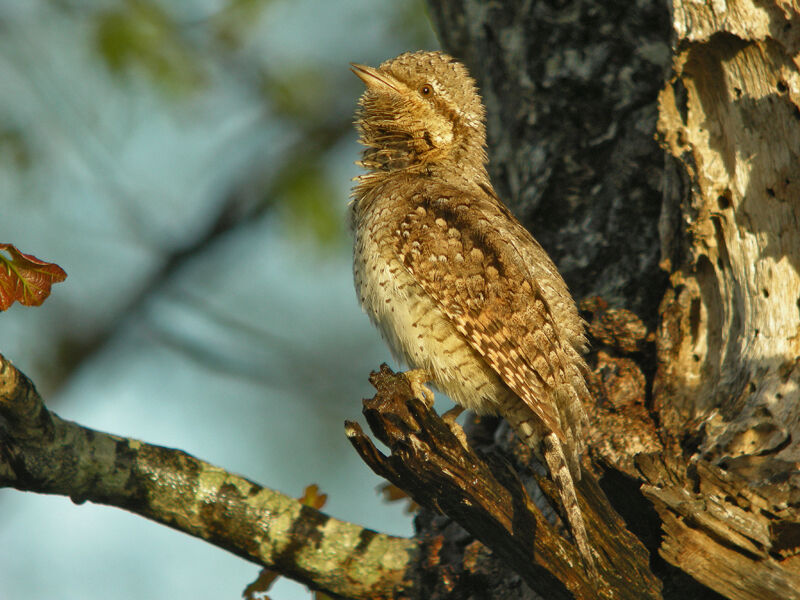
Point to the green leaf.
(141, 34)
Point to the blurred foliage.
(140, 33)
(14, 147)
(305, 195)
(236, 19)
(302, 95)
(308, 198)
(179, 54)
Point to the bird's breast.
(413, 324)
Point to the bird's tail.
(560, 474)
(524, 423)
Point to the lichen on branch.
(40, 452)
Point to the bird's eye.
(426, 89)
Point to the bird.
(457, 286)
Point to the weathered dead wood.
(708, 417)
(723, 531)
(484, 495)
(728, 531)
(727, 389)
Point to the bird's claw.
(417, 378)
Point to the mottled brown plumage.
(457, 286)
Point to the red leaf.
(25, 279)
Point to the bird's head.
(421, 111)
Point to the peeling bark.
(731, 337)
(727, 383)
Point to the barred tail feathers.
(530, 429)
(561, 476)
(563, 471)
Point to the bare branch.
(41, 452)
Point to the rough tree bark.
(726, 390)
(703, 422)
(653, 150)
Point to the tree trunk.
(727, 383)
(704, 422)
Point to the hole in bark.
(694, 318)
(751, 387)
(691, 441)
(681, 100)
(770, 192)
(737, 92)
(782, 86)
(724, 200)
(765, 291)
(696, 357)
(786, 537)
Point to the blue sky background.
(254, 351)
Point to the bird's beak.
(374, 79)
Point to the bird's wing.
(460, 249)
(542, 269)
